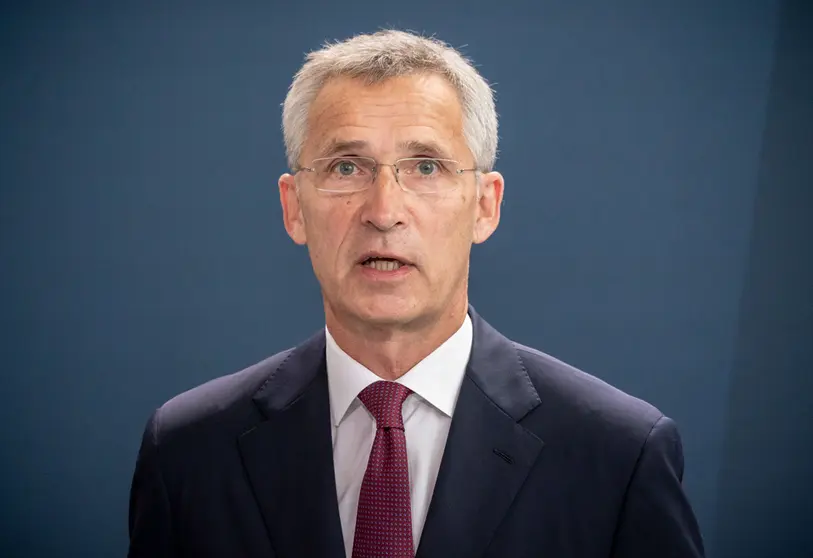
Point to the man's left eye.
(427, 167)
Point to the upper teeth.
(383, 265)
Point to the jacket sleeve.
(150, 518)
(657, 519)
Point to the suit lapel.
(487, 455)
(289, 457)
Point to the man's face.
(429, 234)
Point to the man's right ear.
(292, 216)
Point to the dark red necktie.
(384, 518)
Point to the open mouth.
(383, 264)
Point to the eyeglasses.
(420, 175)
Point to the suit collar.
(289, 456)
(298, 370)
(511, 390)
(495, 367)
(488, 453)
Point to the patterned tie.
(384, 519)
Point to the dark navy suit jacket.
(541, 460)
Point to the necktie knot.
(384, 401)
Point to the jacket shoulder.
(221, 396)
(584, 404)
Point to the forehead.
(386, 116)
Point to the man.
(408, 426)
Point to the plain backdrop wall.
(143, 252)
(766, 479)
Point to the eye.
(427, 167)
(344, 168)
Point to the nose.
(385, 206)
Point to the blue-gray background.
(655, 231)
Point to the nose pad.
(395, 174)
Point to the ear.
(292, 216)
(488, 206)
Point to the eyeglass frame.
(376, 166)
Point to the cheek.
(452, 233)
(327, 227)
(459, 220)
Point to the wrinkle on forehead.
(335, 146)
(416, 108)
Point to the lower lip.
(375, 274)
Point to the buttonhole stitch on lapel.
(505, 457)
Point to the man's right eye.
(344, 168)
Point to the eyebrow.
(428, 148)
(412, 147)
(334, 147)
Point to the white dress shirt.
(435, 383)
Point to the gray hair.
(387, 54)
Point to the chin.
(386, 310)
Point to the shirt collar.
(436, 379)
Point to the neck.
(391, 350)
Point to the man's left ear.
(488, 205)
